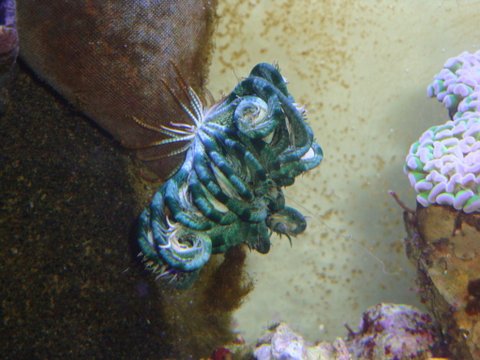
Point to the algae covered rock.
(386, 332)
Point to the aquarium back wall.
(361, 69)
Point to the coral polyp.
(238, 156)
(443, 166)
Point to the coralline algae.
(393, 331)
(8, 34)
(443, 166)
(8, 47)
(386, 332)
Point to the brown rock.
(445, 246)
(108, 57)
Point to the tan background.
(361, 68)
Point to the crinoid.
(238, 155)
(177, 132)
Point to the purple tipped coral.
(459, 79)
(443, 166)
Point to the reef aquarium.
(222, 179)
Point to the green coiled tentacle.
(228, 191)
